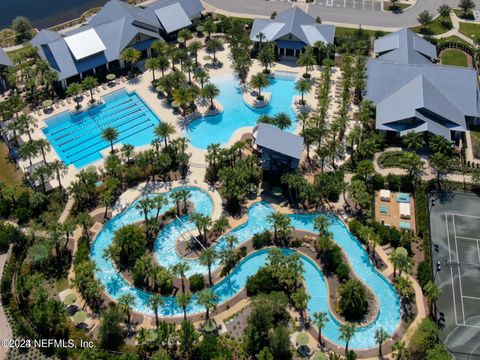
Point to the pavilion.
(291, 30)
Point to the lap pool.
(388, 316)
(236, 113)
(77, 138)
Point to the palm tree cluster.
(30, 75)
(240, 49)
(238, 175)
(166, 159)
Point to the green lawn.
(456, 39)
(459, 13)
(454, 57)
(436, 27)
(9, 174)
(470, 30)
(387, 6)
(346, 32)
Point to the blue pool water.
(237, 114)
(77, 137)
(389, 307)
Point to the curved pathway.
(389, 313)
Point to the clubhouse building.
(117, 26)
(291, 31)
(412, 92)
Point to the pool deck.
(142, 85)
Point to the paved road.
(364, 12)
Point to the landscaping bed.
(454, 57)
(392, 159)
(470, 30)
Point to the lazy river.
(115, 285)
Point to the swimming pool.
(77, 138)
(388, 316)
(236, 113)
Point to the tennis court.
(455, 233)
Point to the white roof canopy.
(404, 210)
(84, 44)
(173, 17)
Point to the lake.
(44, 13)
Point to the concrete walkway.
(455, 30)
(5, 330)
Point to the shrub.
(353, 302)
(424, 273)
(9, 234)
(243, 251)
(197, 282)
(425, 337)
(263, 281)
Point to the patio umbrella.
(277, 191)
(79, 317)
(209, 325)
(111, 77)
(302, 339)
(69, 299)
(47, 103)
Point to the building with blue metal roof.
(4, 63)
(115, 27)
(291, 30)
(412, 92)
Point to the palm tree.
(400, 351)
(207, 258)
(163, 131)
(432, 292)
(413, 140)
(211, 91)
(260, 36)
(163, 64)
(201, 76)
(380, 337)
(320, 319)
(28, 124)
(180, 269)
(259, 81)
(193, 48)
(282, 120)
(84, 219)
(347, 331)
(208, 299)
(303, 87)
(28, 150)
(126, 302)
(155, 302)
(110, 134)
(60, 169)
(280, 223)
(73, 90)
(307, 59)
(202, 222)
(444, 12)
(208, 27)
(90, 83)
(320, 224)
(214, 45)
(152, 65)
(43, 145)
(183, 300)
(131, 55)
(266, 56)
(184, 35)
(183, 97)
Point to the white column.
(94, 71)
(81, 76)
(64, 84)
(107, 65)
(149, 52)
(278, 49)
(122, 64)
